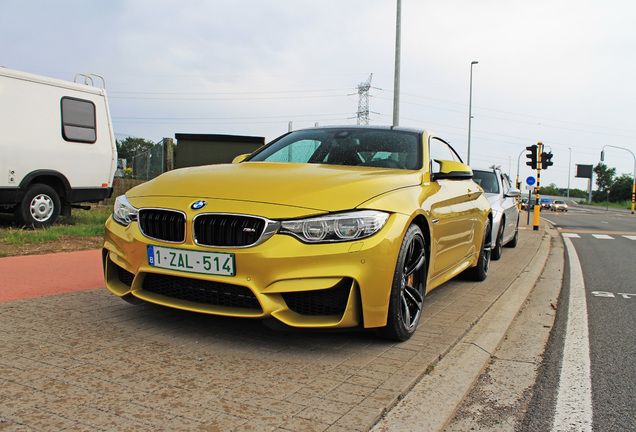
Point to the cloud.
(558, 71)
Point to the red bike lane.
(31, 276)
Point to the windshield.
(353, 147)
(487, 180)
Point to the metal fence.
(150, 164)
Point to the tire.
(39, 208)
(480, 271)
(408, 287)
(498, 249)
(513, 243)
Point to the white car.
(502, 198)
(559, 205)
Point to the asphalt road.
(605, 243)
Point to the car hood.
(324, 188)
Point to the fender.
(55, 179)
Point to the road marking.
(602, 237)
(611, 295)
(630, 237)
(571, 235)
(574, 398)
(584, 231)
(603, 294)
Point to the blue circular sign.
(531, 180)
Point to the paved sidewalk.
(433, 401)
(87, 360)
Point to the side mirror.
(239, 158)
(451, 170)
(513, 193)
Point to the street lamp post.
(634, 156)
(396, 77)
(518, 162)
(470, 108)
(569, 166)
(519, 183)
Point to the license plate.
(216, 263)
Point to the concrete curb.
(433, 401)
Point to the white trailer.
(57, 146)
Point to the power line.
(227, 93)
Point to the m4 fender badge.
(198, 205)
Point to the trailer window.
(78, 120)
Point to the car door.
(455, 217)
(511, 211)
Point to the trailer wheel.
(39, 208)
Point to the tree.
(577, 193)
(130, 147)
(621, 189)
(552, 189)
(604, 176)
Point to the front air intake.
(326, 302)
(201, 291)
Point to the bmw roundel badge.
(198, 205)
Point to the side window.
(78, 120)
(439, 149)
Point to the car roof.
(363, 127)
(485, 169)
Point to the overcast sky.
(557, 71)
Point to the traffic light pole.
(537, 204)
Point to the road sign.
(530, 181)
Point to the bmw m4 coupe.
(334, 227)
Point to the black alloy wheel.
(513, 243)
(498, 249)
(480, 271)
(408, 288)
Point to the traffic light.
(546, 160)
(532, 156)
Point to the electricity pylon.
(363, 101)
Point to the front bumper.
(302, 285)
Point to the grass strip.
(81, 223)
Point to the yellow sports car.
(321, 228)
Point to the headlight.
(336, 227)
(123, 211)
